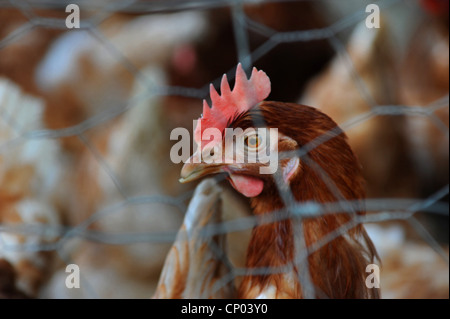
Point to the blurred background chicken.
(31, 171)
(113, 91)
(128, 158)
(397, 65)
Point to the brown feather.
(338, 268)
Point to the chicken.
(104, 179)
(8, 289)
(31, 171)
(438, 8)
(400, 64)
(327, 173)
(101, 66)
(378, 141)
(23, 46)
(411, 269)
(424, 74)
(124, 158)
(193, 261)
(404, 154)
(386, 70)
(92, 72)
(414, 271)
(231, 33)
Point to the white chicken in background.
(30, 174)
(125, 157)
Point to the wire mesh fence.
(86, 115)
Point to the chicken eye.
(252, 141)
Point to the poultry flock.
(86, 176)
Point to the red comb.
(245, 95)
(436, 7)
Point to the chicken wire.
(387, 208)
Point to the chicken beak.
(193, 171)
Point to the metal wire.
(388, 209)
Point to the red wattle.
(246, 185)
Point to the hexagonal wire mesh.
(104, 174)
